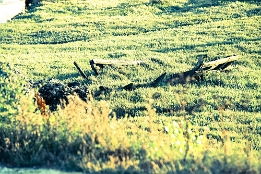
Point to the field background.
(225, 108)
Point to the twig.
(79, 69)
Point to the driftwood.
(97, 64)
(220, 64)
(195, 73)
(154, 83)
(198, 71)
(186, 76)
(80, 70)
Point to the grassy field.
(212, 126)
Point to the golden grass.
(214, 125)
(87, 136)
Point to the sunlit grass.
(210, 126)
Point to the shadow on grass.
(230, 41)
(61, 37)
(186, 8)
(76, 75)
(246, 1)
(254, 12)
(68, 77)
(193, 6)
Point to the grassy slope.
(44, 42)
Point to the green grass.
(224, 108)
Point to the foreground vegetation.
(212, 126)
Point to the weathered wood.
(186, 76)
(79, 69)
(220, 64)
(129, 87)
(94, 68)
(101, 63)
(157, 81)
(178, 78)
(116, 62)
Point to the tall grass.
(86, 136)
(208, 127)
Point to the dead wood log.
(179, 78)
(154, 83)
(97, 64)
(157, 81)
(129, 87)
(186, 76)
(220, 64)
(79, 69)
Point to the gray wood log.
(97, 64)
(178, 78)
(220, 64)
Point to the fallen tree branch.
(158, 80)
(97, 64)
(220, 64)
(79, 69)
(186, 76)
(178, 78)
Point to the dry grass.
(207, 127)
(86, 136)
